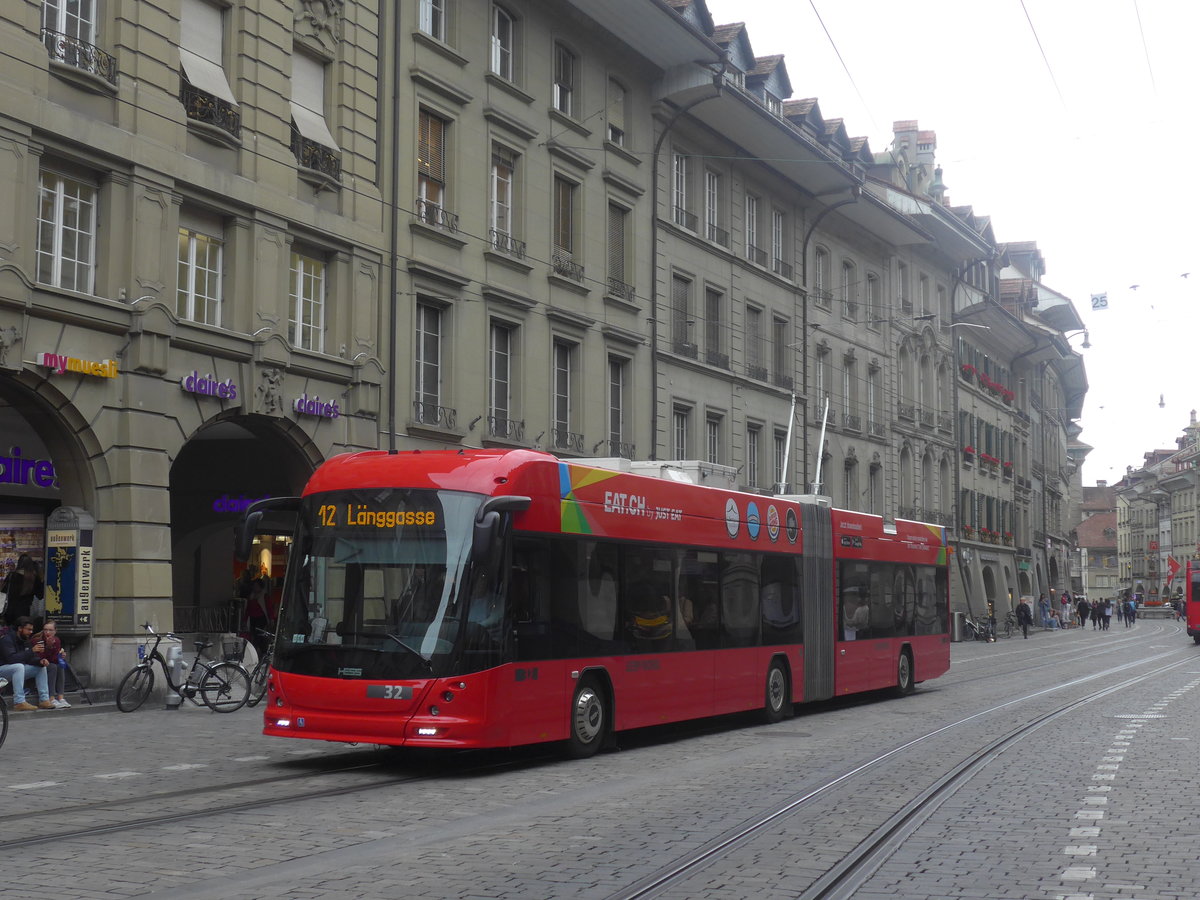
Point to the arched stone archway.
(228, 463)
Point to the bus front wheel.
(776, 700)
(589, 719)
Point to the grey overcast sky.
(1069, 122)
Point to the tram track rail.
(843, 879)
(143, 821)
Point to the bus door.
(536, 686)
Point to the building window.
(308, 101)
(427, 358)
(753, 438)
(564, 80)
(198, 293)
(500, 370)
(712, 438)
(503, 38)
(902, 287)
(565, 228)
(74, 18)
(618, 385)
(433, 18)
(431, 168)
(923, 284)
(306, 303)
(849, 390)
(874, 420)
(781, 352)
(679, 431)
(617, 99)
(779, 454)
(681, 169)
(618, 244)
(681, 316)
(822, 293)
(564, 363)
(874, 300)
(753, 252)
(849, 291)
(501, 201)
(779, 264)
(714, 303)
(205, 93)
(66, 233)
(754, 343)
(712, 209)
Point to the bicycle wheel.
(258, 681)
(134, 688)
(3, 721)
(225, 687)
(1008, 628)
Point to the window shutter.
(616, 242)
(431, 145)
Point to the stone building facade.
(247, 236)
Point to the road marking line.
(34, 785)
(1084, 832)
(117, 775)
(1096, 814)
(1081, 850)
(183, 767)
(249, 758)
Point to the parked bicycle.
(977, 631)
(1010, 624)
(258, 677)
(221, 686)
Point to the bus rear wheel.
(589, 719)
(904, 674)
(777, 695)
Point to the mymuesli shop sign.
(59, 363)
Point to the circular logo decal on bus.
(752, 520)
(772, 523)
(731, 517)
(792, 526)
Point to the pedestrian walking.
(1066, 614)
(1130, 613)
(1085, 610)
(1108, 612)
(1096, 615)
(1043, 611)
(1024, 617)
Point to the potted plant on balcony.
(1008, 538)
(968, 371)
(968, 531)
(1008, 468)
(968, 453)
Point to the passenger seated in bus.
(650, 620)
(856, 613)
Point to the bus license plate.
(390, 691)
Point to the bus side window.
(739, 600)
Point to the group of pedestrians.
(1100, 612)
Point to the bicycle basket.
(233, 649)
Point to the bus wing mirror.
(248, 526)
(485, 544)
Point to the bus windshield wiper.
(413, 651)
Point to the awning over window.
(205, 75)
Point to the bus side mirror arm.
(248, 525)
(484, 541)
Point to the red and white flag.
(1172, 567)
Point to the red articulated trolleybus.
(489, 598)
(1191, 594)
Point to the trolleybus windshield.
(376, 588)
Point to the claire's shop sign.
(208, 386)
(17, 469)
(227, 504)
(315, 406)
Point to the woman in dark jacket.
(22, 585)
